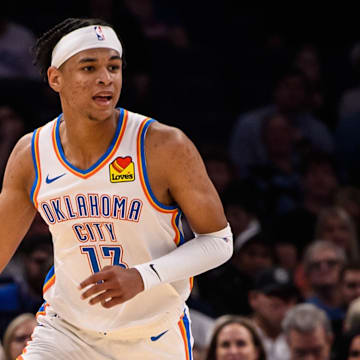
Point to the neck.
(84, 141)
(329, 295)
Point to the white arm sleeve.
(204, 252)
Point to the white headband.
(89, 37)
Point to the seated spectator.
(349, 103)
(350, 346)
(21, 283)
(323, 262)
(308, 333)
(243, 210)
(334, 224)
(218, 167)
(16, 42)
(348, 197)
(17, 334)
(277, 180)
(319, 182)
(274, 293)
(290, 99)
(307, 59)
(235, 337)
(352, 317)
(227, 289)
(11, 129)
(350, 283)
(201, 329)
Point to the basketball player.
(110, 184)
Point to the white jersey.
(106, 215)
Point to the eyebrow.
(89, 59)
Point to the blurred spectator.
(11, 129)
(201, 329)
(319, 182)
(347, 130)
(334, 224)
(159, 22)
(219, 167)
(21, 282)
(242, 209)
(16, 42)
(352, 318)
(350, 283)
(17, 334)
(290, 99)
(347, 146)
(277, 180)
(349, 103)
(308, 333)
(323, 262)
(227, 288)
(286, 254)
(348, 197)
(308, 58)
(235, 337)
(38, 259)
(274, 293)
(350, 347)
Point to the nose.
(104, 77)
(234, 349)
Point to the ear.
(54, 78)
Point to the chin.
(101, 115)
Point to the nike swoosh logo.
(50, 180)
(154, 270)
(154, 338)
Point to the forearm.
(204, 252)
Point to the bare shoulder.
(168, 141)
(177, 168)
(19, 169)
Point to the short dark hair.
(45, 44)
(316, 158)
(350, 266)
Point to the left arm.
(185, 181)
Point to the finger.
(103, 297)
(113, 301)
(94, 278)
(98, 287)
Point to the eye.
(114, 68)
(88, 68)
(225, 344)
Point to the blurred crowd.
(271, 98)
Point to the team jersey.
(106, 215)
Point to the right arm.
(16, 209)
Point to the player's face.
(91, 83)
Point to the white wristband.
(204, 252)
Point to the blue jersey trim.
(113, 142)
(144, 170)
(36, 179)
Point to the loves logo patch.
(122, 170)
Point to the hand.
(112, 285)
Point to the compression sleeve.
(202, 253)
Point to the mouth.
(102, 99)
